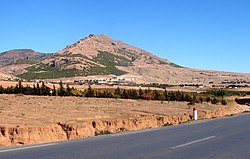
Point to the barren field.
(38, 110)
(37, 119)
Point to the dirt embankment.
(33, 119)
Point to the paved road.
(227, 138)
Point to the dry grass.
(35, 110)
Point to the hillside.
(94, 55)
(20, 56)
(14, 62)
(99, 55)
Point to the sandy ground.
(18, 110)
(40, 119)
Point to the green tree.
(172, 96)
(179, 95)
(201, 100)
(54, 91)
(182, 96)
(223, 93)
(191, 101)
(9, 90)
(27, 90)
(45, 90)
(61, 90)
(208, 99)
(124, 94)
(1, 89)
(214, 100)
(117, 92)
(34, 90)
(90, 92)
(140, 93)
(156, 95)
(16, 89)
(195, 98)
(188, 98)
(132, 94)
(39, 92)
(108, 94)
(68, 91)
(20, 87)
(223, 102)
(166, 95)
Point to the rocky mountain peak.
(91, 45)
(98, 36)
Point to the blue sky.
(206, 34)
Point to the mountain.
(14, 62)
(19, 56)
(99, 55)
(93, 55)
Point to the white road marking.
(193, 142)
(27, 147)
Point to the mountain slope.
(21, 56)
(14, 62)
(93, 55)
(101, 55)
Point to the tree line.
(37, 89)
(146, 94)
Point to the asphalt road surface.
(226, 138)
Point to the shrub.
(201, 100)
(208, 99)
(105, 132)
(214, 100)
(167, 124)
(191, 103)
(223, 102)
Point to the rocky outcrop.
(21, 135)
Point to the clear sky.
(206, 34)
